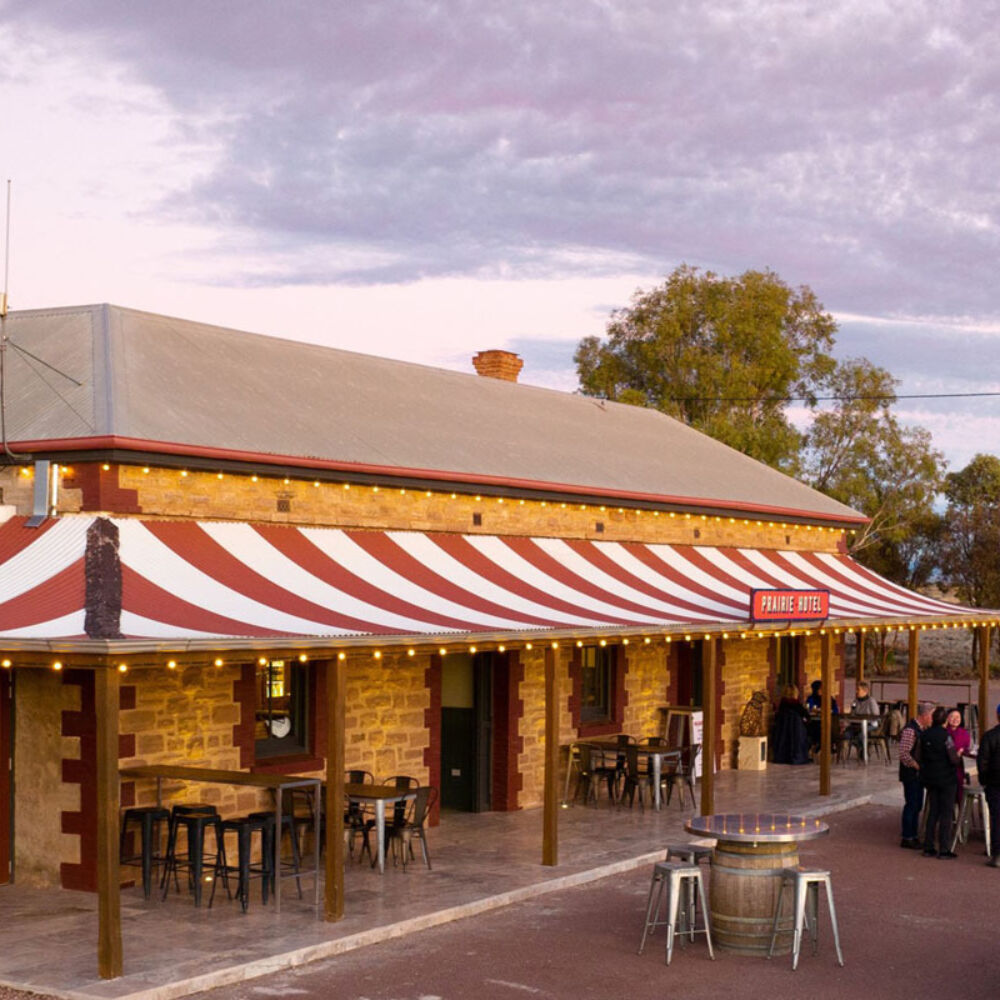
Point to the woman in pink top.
(962, 740)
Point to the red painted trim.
(112, 441)
(316, 679)
(245, 695)
(83, 772)
(5, 750)
(432, 722)
(508, 673)
(100, 489)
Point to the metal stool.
(244, 827)
(691, 853)
(195, 820)
(680, 879)
(148, 819)
(806, 883)
(287, 824)
(972, 798)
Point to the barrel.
(746, 881)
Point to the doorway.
(467, 732)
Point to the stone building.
(216, 517)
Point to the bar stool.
(148, 819)
(973, 798)
(194, 819)
(287, 823)
(805, 883)
(245, 827)
(680, 879)
(691, 853)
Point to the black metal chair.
(683, 774)
(401, 836)
(637, 779)
(357, 821)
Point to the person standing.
(938, 761)
(909, 774)
(988, 763)
(963, 741)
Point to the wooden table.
(751, 851)
(379, 795)
(654, 754)
(277, 783)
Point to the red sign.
(789, 605)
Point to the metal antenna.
(6, 260)
(3, 342)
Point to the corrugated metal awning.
(186, 580)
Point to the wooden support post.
(860, 668)
(336, 683)
(911, 687)
(710, 666)
(986, 717)
(825, 712)
(109, 917)
(550, 818)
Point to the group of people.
(797, 727)
(931, 747)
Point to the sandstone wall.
(41, 796)
(154, 492)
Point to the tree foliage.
(720, 354)
(857, 452)
(972, 538)
(725, 355)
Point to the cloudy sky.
(425, 179)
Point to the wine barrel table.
(751, 851)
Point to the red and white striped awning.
(185, 580)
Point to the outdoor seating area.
(480, 861)
(190, 845)
(623, 770)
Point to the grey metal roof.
(160, 379)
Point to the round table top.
(757, 828)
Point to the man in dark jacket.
(938, 763)
(909, 774)
(988, 763)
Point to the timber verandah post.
(985, 716)
(550, 819)
(826, 712)
(109, 923)
(336, 685)
(710, 652)
(912, 676)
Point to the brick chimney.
(498, 364)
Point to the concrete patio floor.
(481, 862)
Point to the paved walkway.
(911, 927)
(481, 863)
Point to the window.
(282, 709)
(787, 662)
(596, 683)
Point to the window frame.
(298, 742)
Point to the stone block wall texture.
(186, 717)
(385, 726)
(154, 492)
(42, 797)
(746, 669)
(647, 680)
